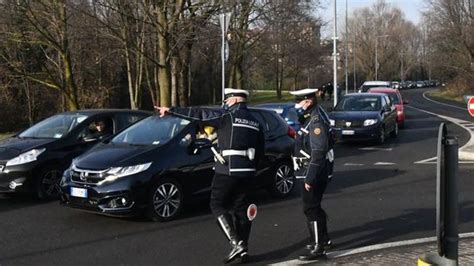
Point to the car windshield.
(367, 87)
(151, 131)
(54, 127)
(358, 103)
(393, 96)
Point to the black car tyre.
(47, 183)
(165, 201)
(283, 180)
(394, 133)
(381, 139)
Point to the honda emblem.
(83, 176)
(348, 124)
(1, 168)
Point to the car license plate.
(348, 132)
(79, 192)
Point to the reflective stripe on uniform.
(246, 126)
(234, 152)
(243, 170)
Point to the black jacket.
(315, 140)
(237, 130)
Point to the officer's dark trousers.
(229, 195)
(312, 203)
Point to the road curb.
(372, 248)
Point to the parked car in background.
(34, 160)
(420, 84)
(395, 84)
(158, 164)
(286, 110)
(364, 117)
(397, 100)
(374, 84)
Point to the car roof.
(383, 90)
(267, 105)
(365, 94)
(376, 82)
(90, 112)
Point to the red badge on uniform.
(252, 212)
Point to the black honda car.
(364, 117)
(35, 159)
(158, 164)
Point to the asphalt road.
(378, 195)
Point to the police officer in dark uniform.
(241, 145)
(314, 159)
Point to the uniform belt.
(250, 153)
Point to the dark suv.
(36, 158)
(158, 163)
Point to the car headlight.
(117, 172)
(332, 122)
(26, 157)
(370, 122)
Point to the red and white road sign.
(470, 106)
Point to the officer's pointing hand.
(162, 110)
(307, 186)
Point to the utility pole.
(335, 54)
(224, 20)
(346, 64)
(377, 54)
(354, 62)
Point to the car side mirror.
(200, 144)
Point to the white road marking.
(375, 149)
(450, 105)
(463, 154)
(348, 252)
(384, 163)
(353, 164)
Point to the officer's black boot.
(324, 240)
(317, 250)
(237, 245)
(243, 230)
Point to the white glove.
(296, 165)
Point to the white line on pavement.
(450, 105)
(384, 163)
(463, 154)
(343, 253)
(375, 149)
(353, 164)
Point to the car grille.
(355, 123)
(2, 167)
(89, 177)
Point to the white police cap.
(304, 94)
(229, 92)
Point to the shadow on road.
(412, 220)
(343, 180)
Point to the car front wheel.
(394, 133)
(47, 183)
(165, 201)
(283, 180)
(381, 139)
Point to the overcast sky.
(411, 8)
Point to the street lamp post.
(335, 54)
(377, 54)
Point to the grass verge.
(445, 94)
(269, 97)
(5, 135)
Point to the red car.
(396, 99)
